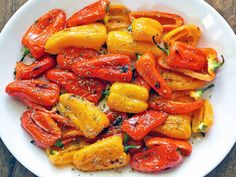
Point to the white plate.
(207, 153)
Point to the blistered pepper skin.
(91, 36)
(125, 97)
(105, 154)
(84, 114)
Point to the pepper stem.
(198, 93)
(164, 49)
(216, 65)
(26, 52)
(126, 138)
(131, 147)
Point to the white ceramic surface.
(207, 152)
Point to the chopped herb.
(126, 148)
(137, 55)
(26, 52)
(165, 49)
(118, 121)
(59, 144)
(157, 85)
(126, 138)
(104, 94)
(52, 152)
(107, 7)
(129, 28)
(124, 69)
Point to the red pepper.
(185, 56)
(184, 146)
(91, 89)
(138, 126)
(36, 69)
(37, 35)
(174, 107)
(110, 67)
(167, 20)
(140, 81)
(34, 92)
(89, 14)
(41, 127)
(140, 144)
(156, 159)
(116, 118)
(62, 121)
(69, 56)
(146, 67)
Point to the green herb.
(124, 69)
(107, 7)
(104, 94)
(126, 138)
(26, 52)
(52, 152)
(165, 49)
(131, 147)
(137, 56)
(59, 144)
(118, 121)
(129, 28)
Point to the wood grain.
(10, 167)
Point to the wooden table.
(10, 167)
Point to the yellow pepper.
(125, 97)
(105, 154)
(65, 156)
(117, 18)
(180, 82)
(209, 75)
(189, 34)
(203, 118)
(176, 126)
(122, 42)
(87, 36)
(144, 29)
(84, 114)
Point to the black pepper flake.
(124, 69)
(118, 121)
(157, 85)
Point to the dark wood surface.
(10, 167)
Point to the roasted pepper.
(88, 88)
(41, 127)
(138, 126)
(122, 42)
(86, 36)
(34, 92)
(184, 147)
(174, 107)
(85, 115)
(110, 67)
(203, 119)
(125, 97)
(89, 14)
(185, 56)
(167, 20)
(65, 156)
(67, 57)
(117, 18)
(146, 67)
(178, 82)
(37, 35)
(144, 29)
(140, 81)
(156, 159)
(36, 69)
(105, 154)
(212, 66)
(188, 34)
(176, 126)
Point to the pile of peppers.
(120, 87)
